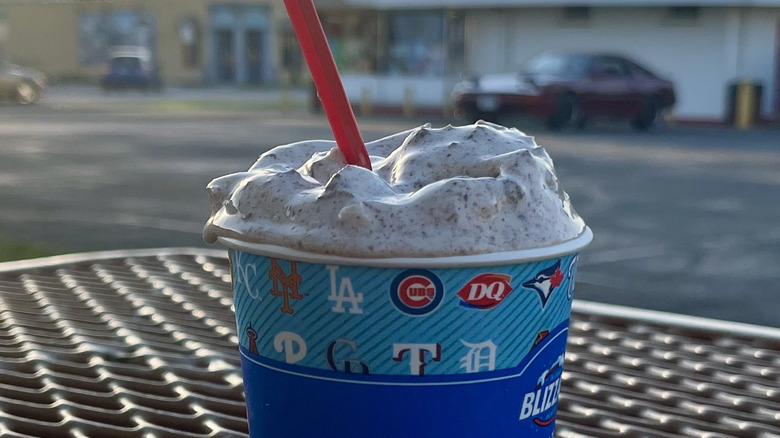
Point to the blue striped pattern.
(512, 326)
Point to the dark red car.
(567, 89)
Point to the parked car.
(131, 67)
(568, 89)
(21, 84)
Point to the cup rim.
(490, 259)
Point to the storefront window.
(416, 43)
(352, 37)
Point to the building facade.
(192, 41)
(392, 49)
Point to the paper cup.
(467, 346)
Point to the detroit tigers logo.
(546, 281)
(285, 286)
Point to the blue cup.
(463, 346)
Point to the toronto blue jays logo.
(546, 281)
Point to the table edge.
(51, 261)
(678, 320)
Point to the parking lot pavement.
(686, 220)
(86, 97)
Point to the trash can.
(732, 100)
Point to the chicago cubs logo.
(546, 281)
(416, 292)
(485, 291)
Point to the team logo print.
(546, 281)
(417, 356)
(251, 333)
(340, 357)
(285, 286)
(291, 345)
(485, 291)
(570, 277)
(541, 336)
(416, 292)
(480, 356)
(542, 402)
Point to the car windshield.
(556, 64)
(126, 63)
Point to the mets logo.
(416, 292)
(541, 404)
(546, 281)
(485, 291)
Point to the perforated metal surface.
(143, 344)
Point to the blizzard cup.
(461, 346)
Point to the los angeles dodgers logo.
(285, 286)
(416, 292)
(546, 281)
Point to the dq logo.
(285, 286)
(416, 292)
(346, 365)
(485, 291)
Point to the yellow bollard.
(745, 107)
(408, 102)
(366, 103)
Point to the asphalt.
(686, 220)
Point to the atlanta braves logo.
(546, 281)
(285, 286)
(416, 292)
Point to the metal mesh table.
(143, 344)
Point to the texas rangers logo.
(416, 292)
(485, 291)
(546, 281)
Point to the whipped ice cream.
(472, 189)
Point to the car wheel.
(567, 115)
(651, 118)
(26, 93)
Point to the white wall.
(696, 56)
(392, 90)
(758, 51)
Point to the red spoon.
(311, 37)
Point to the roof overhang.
(471, 4)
